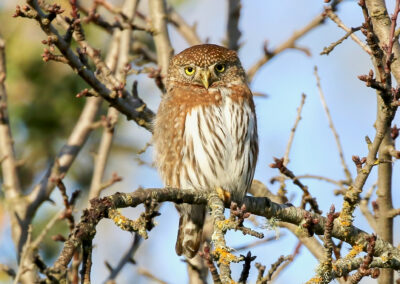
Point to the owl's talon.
(224, 195)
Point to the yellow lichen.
(224, 225)
(315, 280)
(345, 218)
(355, 250)
(224, 256)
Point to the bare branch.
(273, 269)
(188, 32)
(25, 253)
(121, 56)
(68, 153)
(293, 130)
(365, 210)
(329, 12)
(332, 46)
(232, 30)
(307, 198)
(258, 206)
(161, 38)
(210, 264)
(12, 188)
(43, 233)
(132, 107)
(289, 43)
(126, 258)
(332, 127)
(151, 276)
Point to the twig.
(149, 275)
(188, 32)
(289, 43)
(328, 243)
(86, 261)
(246, 267)
(237, 216)
(293, 130)
(286, 263)
(332, 127)
(339, 183)
(392, 39)
(38, 240)
(365, 210)
(273, 268)
(141, 225)
(311, 243)
(210, 264)
(257, 243)
(329, 12)
(126, 258)
(325, 268)
(332, 46)
(307, 198)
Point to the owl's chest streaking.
(207, 140)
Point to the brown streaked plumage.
(205, 133)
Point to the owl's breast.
(207, 141)
(218, 148)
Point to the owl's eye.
(189, 70)
(220, 68)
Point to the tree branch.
(289, 43)
(132, 107)
(188, 32)
(232, 30)
(259, 206)
(164, 49)
(12, 187)
(332, 127)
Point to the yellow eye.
(189, 70)
(220, 68)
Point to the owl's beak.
(205, 76)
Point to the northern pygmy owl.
(205, 133)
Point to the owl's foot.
(224, 195)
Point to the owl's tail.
(190, 229)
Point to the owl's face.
(206, 66)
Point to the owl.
(205, 133)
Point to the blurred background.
(43, 109)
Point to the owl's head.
(206, 65)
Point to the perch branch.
(259, 206)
